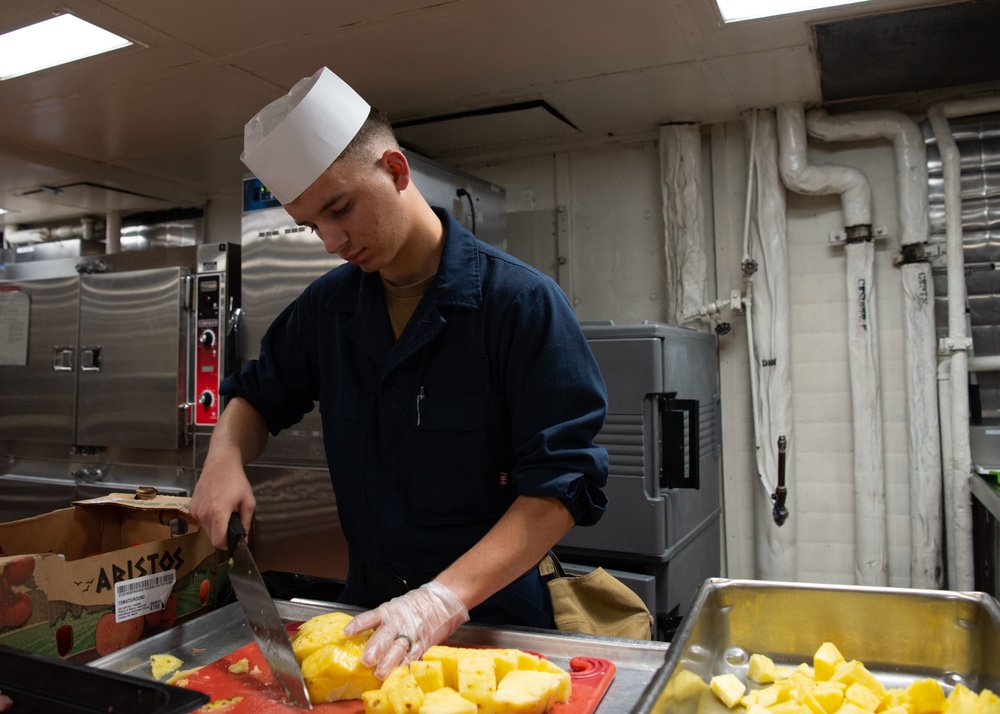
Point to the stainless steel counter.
(207, 638)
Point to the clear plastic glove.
(407, 625)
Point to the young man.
(458, 395)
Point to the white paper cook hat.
(294, 139)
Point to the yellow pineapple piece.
(429, 675)
(963, 700)
(895, 697)
(376, 702)
(164, 664)
(825, 661)
(861, 695)
(728, 688)
(789, 707)
(565, 688)
(323, 630)
(990, 702)
(849, 708)
(829, 696)
(805, 697)
(448, 657)
(775, 694)
(855, 671)
(402, 690)
(685, 685)
(757, 709)
(898, 709)
(927, 696)
(331, 661)
(761, 669)
(335, 672)
(446, 701)
(477, 680)
(525, 692)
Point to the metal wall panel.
(38, 400)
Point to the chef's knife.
(263, 617)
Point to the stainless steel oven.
(115, 384)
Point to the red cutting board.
(591, 677)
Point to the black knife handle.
(235, 531)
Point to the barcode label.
(142, 596)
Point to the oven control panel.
(208, 350)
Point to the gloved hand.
(407, 625)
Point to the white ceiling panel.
(165, 117)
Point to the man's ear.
(398, 167)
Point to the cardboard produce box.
(82, 582)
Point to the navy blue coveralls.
(490, 392)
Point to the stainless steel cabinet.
(107, 361)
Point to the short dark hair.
(373, 138)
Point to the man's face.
(356, 210)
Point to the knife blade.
(263, 617)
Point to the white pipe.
(681, 185)
(920, 351)
(768, 314)
(959, 513)
(986, 363)
(871, 542)
(799, 176)
(113, 232)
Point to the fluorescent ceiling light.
(736, 10)
(61, 39)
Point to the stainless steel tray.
(900, 634)
(205, 639)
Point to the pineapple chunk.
(429, 675)
(861, 695)
(376, 702)
(446, 701)
(331, 661)
(962, 700)
(855, 671)
(728, 688)
(476, 680)
(526, 692)
(335, 672)
(402, 690)
(990, 702)
(825, 661)
(565, 688)
(320, 631)
(762, 669)
(829, 696)
(927, 697)
(849, 708)
(164, 664)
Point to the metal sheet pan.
(205, 639)
(899, 634)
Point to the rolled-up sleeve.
(558, 404)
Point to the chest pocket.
(462, 445)
(347, 417)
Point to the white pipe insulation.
(958, 513)
(923, 432)
(768, 315)
(871, 542)
(681, 188)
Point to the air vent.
(911, 51)
(485, 129)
